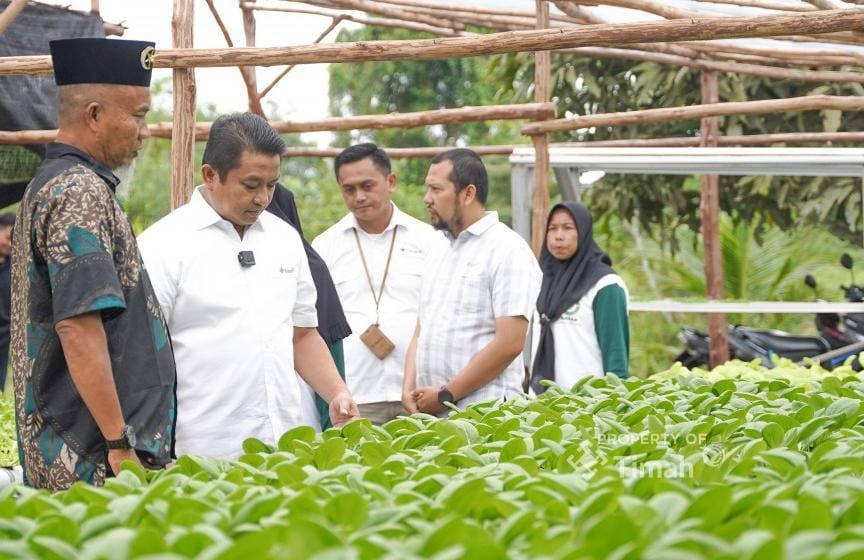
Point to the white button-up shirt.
(369, 378)
(231, 326)
(488, 272)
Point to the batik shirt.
(75, 253)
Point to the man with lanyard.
(476, 298)
(235, 286)
(376, 254)
(92, 365)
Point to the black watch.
(445, 396)
(127, 439)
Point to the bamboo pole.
(693, 112)
(542, 86)
(245, 71)
(709, 209)
(494, 43)
(183, 141)
(11, 12)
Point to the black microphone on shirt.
(246, 258)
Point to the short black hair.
(7, 219)
(231, 135)
(468, 169)
(363, 151)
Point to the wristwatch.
(127, 439)
(445, 396)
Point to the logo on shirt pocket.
(571, 314)
(286, 270)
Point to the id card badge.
(377, 342)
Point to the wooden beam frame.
(183, 141)
(695, 112)
(494, 43)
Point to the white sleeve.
(162, 268)
(305, 313)
(516, 283)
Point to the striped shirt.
(488, 272)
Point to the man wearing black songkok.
(93, 369)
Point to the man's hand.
(117, 456)
(343, 408)
(427, 400)
(409, 402)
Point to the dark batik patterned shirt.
(75, 253)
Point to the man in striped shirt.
(477, 294)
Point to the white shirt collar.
(398, 218)
(479, 227)
(204, 216)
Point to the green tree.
(591, 86)
(407, 86)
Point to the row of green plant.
(684, 466)
(8, 441)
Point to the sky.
(303, 93)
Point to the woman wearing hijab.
(582, 305)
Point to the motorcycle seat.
(784, 344)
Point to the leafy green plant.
(8, 441)
(750, 464)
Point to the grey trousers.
(382, 412)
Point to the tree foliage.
(406, 86)
(584, 86)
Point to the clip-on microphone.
(246, 258)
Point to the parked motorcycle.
(747, 343)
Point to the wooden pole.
(399, 120)
(249, 74)
(183, 139)
(377, 21)
(766, 4)
(163, 130)
(694, 112)
(11, 12)
(493, 43)
(333, 23)
(542, 84)
(829, 76)
(718, 352)
(245, 73)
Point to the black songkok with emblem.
(102, 61)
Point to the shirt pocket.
(473, 291)
(280, 292)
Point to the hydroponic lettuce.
(682, 468)
(783, 368)
(8, 441)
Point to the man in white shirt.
(476, 298)
(235, 288)
(375, 244)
